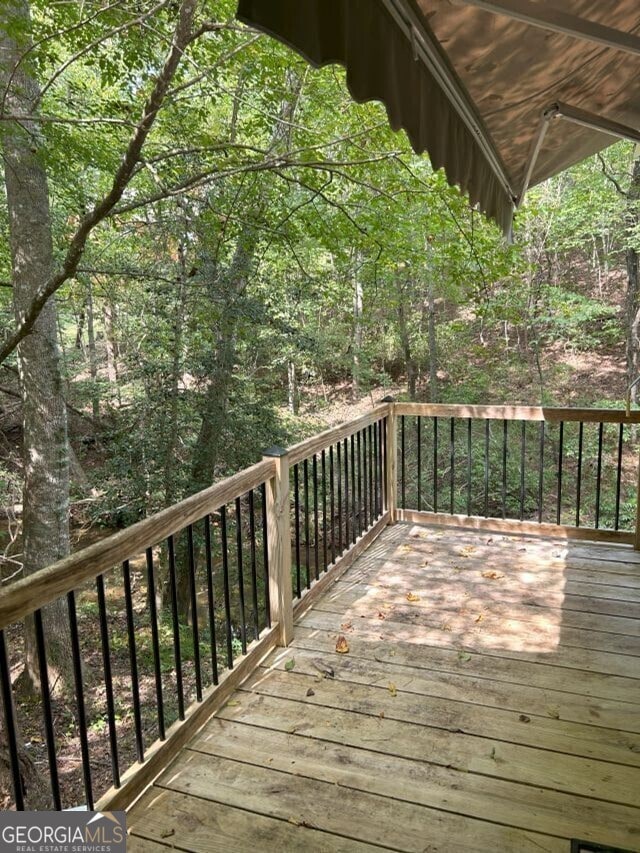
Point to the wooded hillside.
(240, 252)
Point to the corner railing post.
(391, 461)
(279, 545)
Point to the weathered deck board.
(438, 731)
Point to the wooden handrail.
(46, 585)
(319, 442)
(519, 413)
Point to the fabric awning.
(502, 95)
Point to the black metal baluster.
(225, 586)
(377, 454)
(486, 468)
(541, 474)
(243, 617)
(176, 625)
(79, 687)
(469, 465)
(452, 463)
(360, 511)
(365, 479)
(619, 476)
(254, 566)
(354, 517)
(372, 460)
(155, 640)
(316, 530)
(402, 464)
(523, 445)
(307, 527)
(108, 681)
(560, 455)
(133, 660)
(191, 562)
(45, 695)
(345, 452)
(211, 603)
(11, 727)
(599, 474)
(325, 555)
(265, 555)
(579, 474)
(332, 505)
(339, 476)
(296, 498)
(505, 438)
(435, 464)
(419, 451)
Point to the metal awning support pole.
(576, 116)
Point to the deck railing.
(567, 472)
(163, 620)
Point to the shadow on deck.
(488, 701)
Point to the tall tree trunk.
(292, 387)
(433, 346)
(45, 440)
(632, 300)
(93, 357)
(112, 349)
(407, 351)
(357, 332)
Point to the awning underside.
(470, 85)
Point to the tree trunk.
(112, 349)
(93, 357)
(632, 300)
(45, 440)
(292, 386)
(433, 349)
(407, 352)
(357, 333)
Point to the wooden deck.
(489, 702)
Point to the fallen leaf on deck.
(493, 575)
(392, 689)
(479, 617)
(411, 596)
(467, 551)
(524, 719)
(554, 713)
(464, 656)
(323, 667)
(311, 692)
(445, 626)
(342, 647)
(289, 664)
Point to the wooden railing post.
(279, 545)
(391, 461)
